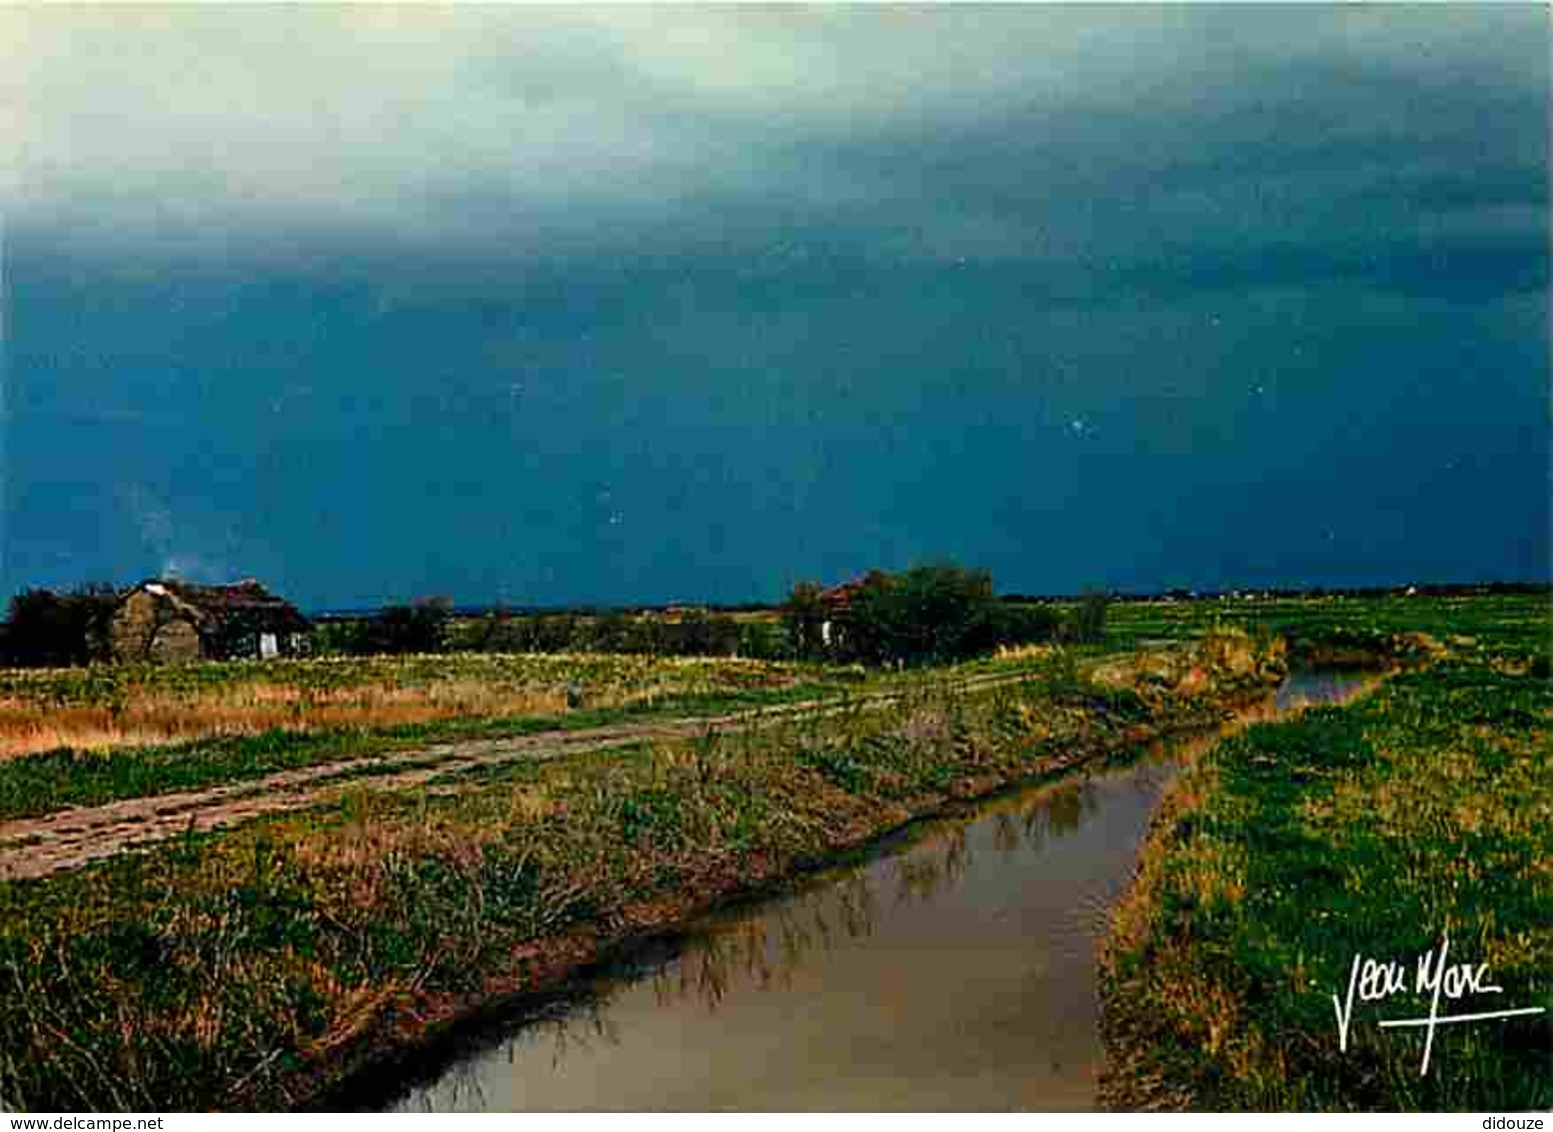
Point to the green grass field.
(1513, 626)
(1371, 830)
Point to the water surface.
(954, 972)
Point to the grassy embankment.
(1371, 830)
(256, 966)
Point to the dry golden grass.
(29, 727)
(1024, 652)
(150, 705)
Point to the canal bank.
(950, 969)
(1290, 854)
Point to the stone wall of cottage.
(138, 636)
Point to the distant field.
(147, 705)
(87, 736)
(1516, 625)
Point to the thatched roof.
(209, 605)
(838, 598)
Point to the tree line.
(924, 615)
(430, 626)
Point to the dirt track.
(70, 838)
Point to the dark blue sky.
(651, 304)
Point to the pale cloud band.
(582, 127)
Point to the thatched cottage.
(161, 619)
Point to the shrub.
(47, 629)
(925, 615)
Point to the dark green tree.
(48, 629)
(945, 613)
(722, 635)
(611, 632)
(925, 615)
(1089, 619)
(410, 628)
(761, 640)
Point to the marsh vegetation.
(261, 964)
(250, 966)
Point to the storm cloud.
(644, 303)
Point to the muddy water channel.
(953, 970)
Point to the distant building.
(167, 620)
(837, 605)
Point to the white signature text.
(1374, 981)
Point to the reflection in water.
(953, 972)
(1321, 686)
(843, 904)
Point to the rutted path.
(70, 838)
